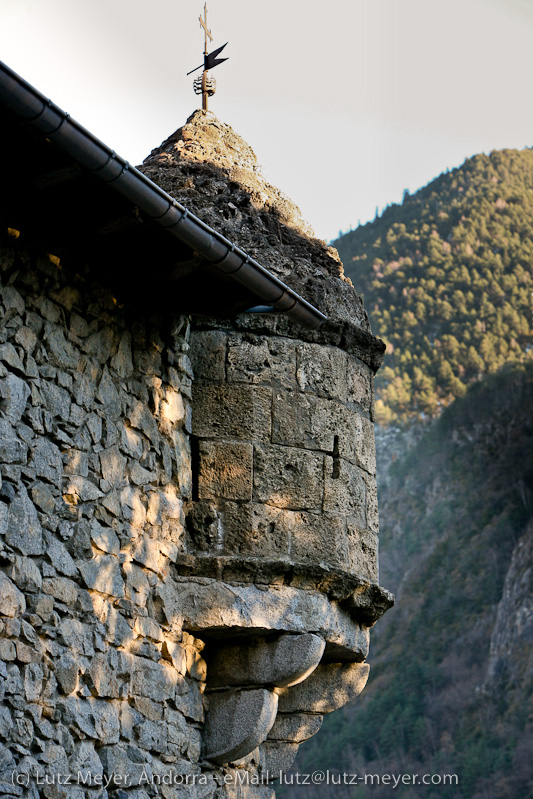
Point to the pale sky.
(345, 102)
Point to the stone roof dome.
(214, 172)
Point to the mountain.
(446, 277)
(447, 280)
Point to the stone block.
(62, 589)
(360, 383)
(362, 548)
(95, 718)
(172, 409)
(76, 462)
(277, 758)
(141, 419)
(322, 371)
(59, 556)
(158, 681)
(318, 539)
(131, 442)
(25, 573)
(356, 441)
(372, 511)
(237, 721)
(12, 602)
(279, 662)
(12, 299)
(118, 631)
(12, 449)
(10, 356)
(345, 490)
(102, 574)
(330, 687)
(80, 489)
(24, 531)
(261, 359)
(104, 538)
(113, 465)
(140, 476)
(137, 585)
(258, 530)
(225, 470)
(26, 338)
(56, 400)
(268, 531)
(14, 394)
(255, 529)
(103, 677)
(43, 497)
(287, 477)
(33, 681)
(7, 649)
(232, 412)
(295, 727)
(189, 700)
(85, 760)
(47, 462)
(62, 353)
(175, 653)
(66, 672)
(147, 552)
(152, 736)
(119, 761)
(182, 462)
(148, 628)
(302, 420)
(208, 355)
(122, 361)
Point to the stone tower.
(283, 510)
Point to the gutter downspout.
(54, 124)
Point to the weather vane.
(206, 85)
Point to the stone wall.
(187, 578)
(94, 451)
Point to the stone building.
(188, 515)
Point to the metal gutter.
(54, 124)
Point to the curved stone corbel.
(238, 721)
(329, 687)
(282, 662)
(301, 709)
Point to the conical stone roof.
(211, 170)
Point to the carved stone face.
(280, 574)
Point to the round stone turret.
(284, 483)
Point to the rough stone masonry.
(188, 516)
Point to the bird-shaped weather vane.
(206, 85)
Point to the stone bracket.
(245, 677)
(284, 661)
(300, 710)
(239, 716)
(237, 722)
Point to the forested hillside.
(451, 686)
(447, 282)
(446, 278)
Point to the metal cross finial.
(206, 85)
(203, 23)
